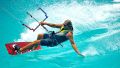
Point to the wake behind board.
(12, 51)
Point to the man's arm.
(51, 25)
(70, 36)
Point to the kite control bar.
(37, 20)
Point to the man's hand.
(81, 55)
(43, 23)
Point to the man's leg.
(32, 44)
(40, 36)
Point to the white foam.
(29, 35)
(116, 0)
(81, 15)
(90, 51)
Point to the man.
(53, 39)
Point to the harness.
(52, 34)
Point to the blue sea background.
(96, 33)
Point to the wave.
(92, 23)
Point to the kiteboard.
(12, 51)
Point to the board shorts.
(53, 40)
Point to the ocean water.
(96, 32)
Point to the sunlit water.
(96, 32)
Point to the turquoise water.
(96, 33)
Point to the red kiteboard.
(12, 51)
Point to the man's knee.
(40, 36)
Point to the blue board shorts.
(51, 41)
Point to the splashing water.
(84, 17)
(91, 51)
